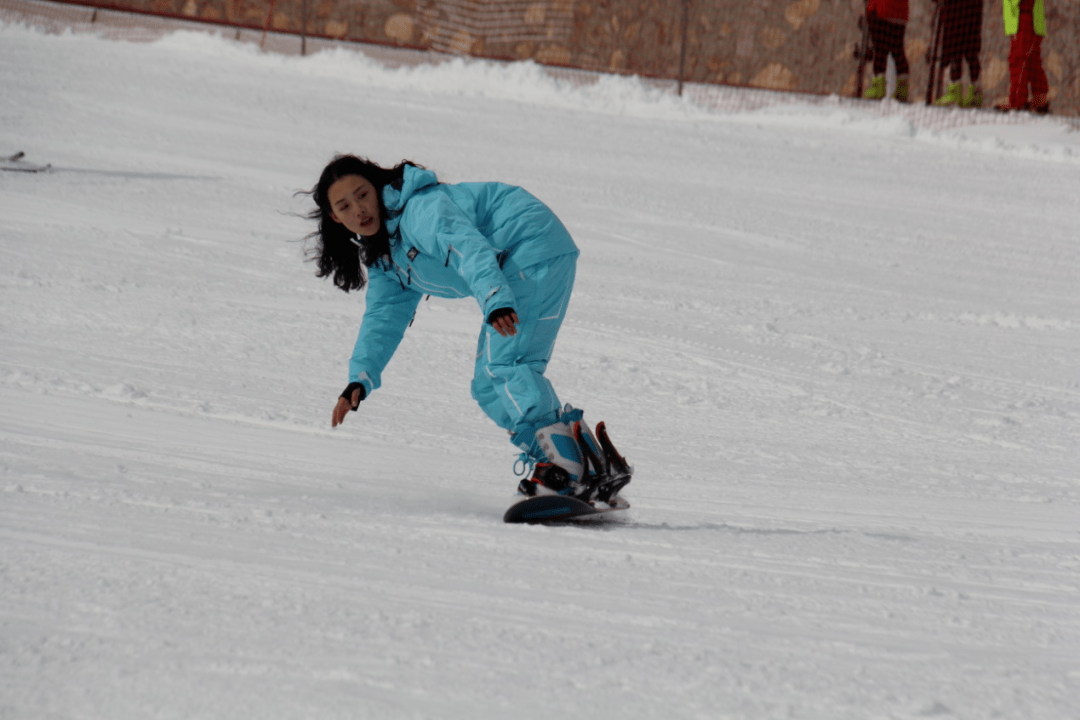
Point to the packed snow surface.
(841, 352)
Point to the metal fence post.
(682, 50)
(303, 28)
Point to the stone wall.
(791, 45)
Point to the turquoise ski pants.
(508, 381)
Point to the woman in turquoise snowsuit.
(493, 242)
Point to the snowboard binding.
(605, 470)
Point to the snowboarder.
(402, 234)
(887, 21)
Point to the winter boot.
(876, 91)
(587, 443)
(972, 98)
(902, 88)
(952, 95)
(557, 462)
(546, 479)
(568, 459)
(560, 448)
(1040, 104)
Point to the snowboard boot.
(557, 462)
(569, 459)
(560, 448)
(951, 97)
(876, 91)
(972, 97)
(546, 479)
(903, 86)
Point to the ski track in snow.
(841, 356)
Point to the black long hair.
(334, 248)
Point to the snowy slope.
(841, 352)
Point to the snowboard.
(558, 508)
(17, 163)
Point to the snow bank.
(1048, 139)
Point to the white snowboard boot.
(568, 459)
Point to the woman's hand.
(505, 321)
(348, 401)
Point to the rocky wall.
(791, 45)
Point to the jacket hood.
(414, 180)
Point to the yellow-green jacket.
(1012, 17)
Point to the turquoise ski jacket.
(450, 241)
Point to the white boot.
(561, 448)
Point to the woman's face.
(354, 203)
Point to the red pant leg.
(1040, 87)
(1025, 64)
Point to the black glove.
(500, 313)
(349, 391)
